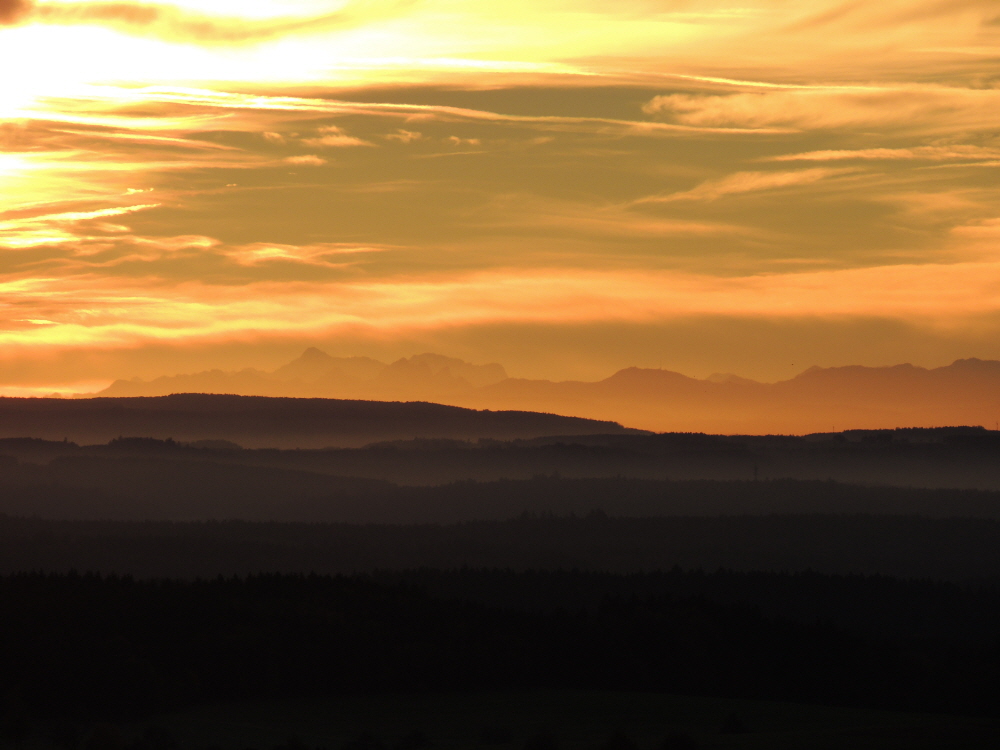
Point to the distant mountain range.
(966, 392)
(817, 400)
(315, 374)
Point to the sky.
(568, 187)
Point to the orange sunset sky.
(568, 187)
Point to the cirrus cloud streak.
(84, 311)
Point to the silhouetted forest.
(934, 458)
(143, 479)
(732, 567)
(86, 646)
(959, 549)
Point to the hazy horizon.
(417, 355)
(239, 359)
(817, 400)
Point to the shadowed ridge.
(857, 372)
(728, 378)
(314, 365)
(816, 400)
(316, 374)
(260, 421)
(436, 375)
(211, 381)
(632, 375)
(972, 367)
(637, 380)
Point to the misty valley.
(447, 578)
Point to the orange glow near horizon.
(195, 174)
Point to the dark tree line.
(91, 646)
(956, 549)
(156, 488)
(940, 457)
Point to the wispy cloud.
(956, 152)
(171, 22)
(109, 312)
(50, 229)
(747, 182)
(332, 136)
(308, 160)
(404, 136)
(330, 255)
(565, 218)
(914, 108)
(212, 109)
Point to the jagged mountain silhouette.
(817, 400)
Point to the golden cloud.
(908, 108)
(332, 136)
(747, 182)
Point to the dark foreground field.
(567, 719)
(85, 647)
(963, 550)
(155, 595)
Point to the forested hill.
(257, 421)
(962, 550)
(151, 489)
(953, 457)
(138, 648)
